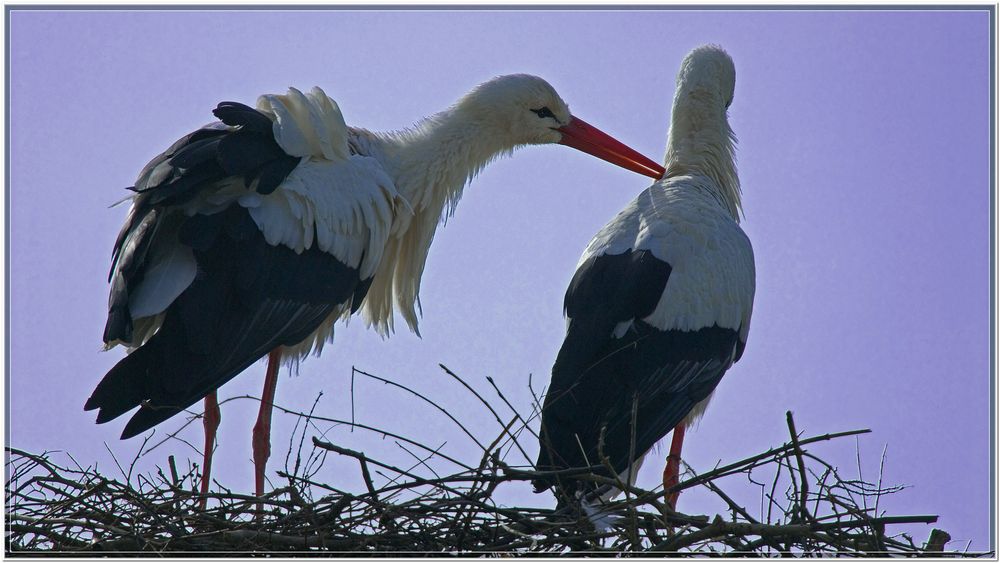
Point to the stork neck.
(701, 142)
(432, 162)
(430, 165)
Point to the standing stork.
(253, 235)
(659, 307)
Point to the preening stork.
(659, 307)
(253, 235)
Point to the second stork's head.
(521, 109)
(701, 140)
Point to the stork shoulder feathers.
(345, 208)
(345, 201)
(681, 222)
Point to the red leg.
(262, 430)
(671, 473)
(211, 420)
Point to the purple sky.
(864, 156)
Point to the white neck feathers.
(431, 164)
(700, 139)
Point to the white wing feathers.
(345, 207)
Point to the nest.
(807, 507)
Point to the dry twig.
(444, 505)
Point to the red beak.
(585, 137)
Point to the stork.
(253, 235)
(659, 307)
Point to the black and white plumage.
(660, 305)
(239, 242)
(253, 235)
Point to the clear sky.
(864, 154)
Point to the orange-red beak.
(585, 137)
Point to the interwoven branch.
(422, 509)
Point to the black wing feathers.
(359, 294)
(236, 114)
(249, 298)
(195, 152)
(252, 152)
(119, 324)
(271, 175)
(597, 378)
(605, 291)
(242, 145)
(623, 286)
(669, 372)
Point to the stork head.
(708, 71)
(520, 109)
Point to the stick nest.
(806, 506)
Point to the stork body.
(660, 305)
(254, 235)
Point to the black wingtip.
(130, 433)
(104, 415)
(146, 418)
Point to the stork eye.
(544, 112)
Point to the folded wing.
(251, 233)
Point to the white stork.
(659, 307)
(252, 236)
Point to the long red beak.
(585, 137)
